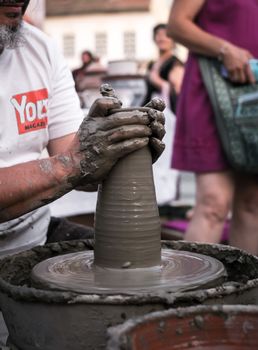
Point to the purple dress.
(196, 145)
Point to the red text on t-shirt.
(31, 110)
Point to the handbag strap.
(209, 68)
(206, 65)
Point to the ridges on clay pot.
(127, 223)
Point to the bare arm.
(57, 146)
(182, 28)
(155, 77)
(174, 81)
(88, 155)
(60, 144)
(176, 77)
(27, 186)
(83, 158)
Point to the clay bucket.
(56, 320)
(202, 327)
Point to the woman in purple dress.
(226, 30)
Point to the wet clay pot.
(56, 320)
(127, 222)
(201, 327)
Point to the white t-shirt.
(37, 103)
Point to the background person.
(164, 75)
(79, 73)
(218, 29)
(164, 78)
(88, 78)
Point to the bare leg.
(244, 227)
(214, 193)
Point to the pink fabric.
(196, 145)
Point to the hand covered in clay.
(157, 121)
(154, 118)
(103, 138)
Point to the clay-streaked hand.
(157, 122)
(153, 116)
(102, 139)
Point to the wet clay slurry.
(178, 271)
(194, 328)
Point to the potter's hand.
(102, 139)
(155, 119)
(157, 122)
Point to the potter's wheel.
(178, 271)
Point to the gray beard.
(10, 37)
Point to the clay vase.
(201, 327)
(127, 223)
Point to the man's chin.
(11, 36)
(14, 23)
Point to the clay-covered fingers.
(107, 90)
(156, 103)
(128, 132)
(157, 125)
(125, 118)
(156, 115)
(158, 130)
(102, 106)
(156, 147)
(121, 149)
(157, 122)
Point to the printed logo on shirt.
(31, 109)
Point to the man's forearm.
(30, 185)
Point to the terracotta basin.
(201, 327)
(56, 320)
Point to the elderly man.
(40, 110)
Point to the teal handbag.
(236, 113)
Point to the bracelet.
(222, 52)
